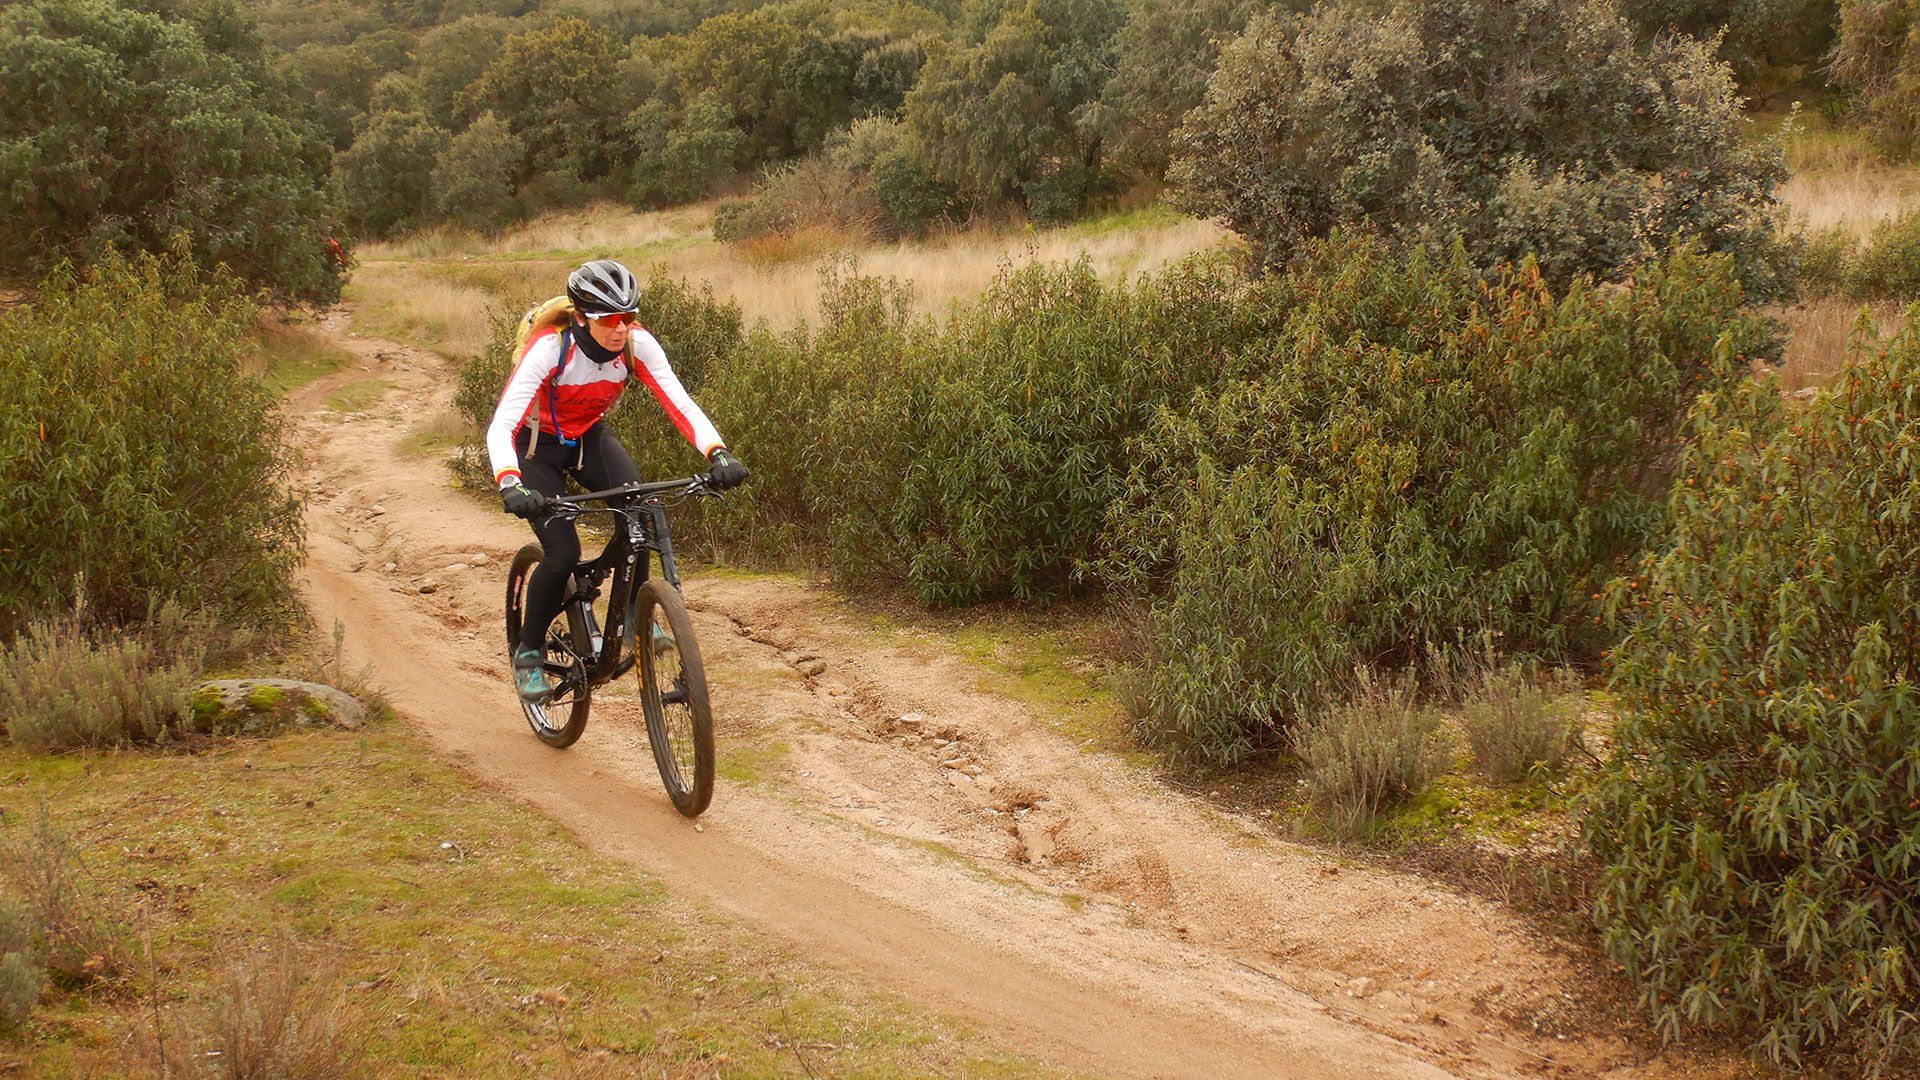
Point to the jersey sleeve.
(516, 401)
(651, 368)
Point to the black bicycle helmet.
(603, 287)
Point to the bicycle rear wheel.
(559, 720)
(673, 695)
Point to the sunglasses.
(618, 318)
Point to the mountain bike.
(651, 631)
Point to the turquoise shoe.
(529, 678)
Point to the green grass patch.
(1459, 806)
(438, 930)
(751, 762)
(358, 396)
(1153, 215)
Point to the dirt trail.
(930, 836)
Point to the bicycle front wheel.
(673, 694)
(560, 719)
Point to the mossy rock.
(271, 706)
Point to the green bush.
(1888, 268)
(1518, 719)
(1758, 826)
(1828, 262)
(1542, 128)
(60, 690)
(21, 983)
(1371, 752)
(1422, 458)
(140, 463)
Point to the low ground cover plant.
(1757, 824)
(345, 905)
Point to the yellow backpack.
(557, 312)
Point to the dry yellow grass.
(417, 302)
(435, 288)
(1821, 337)
(1838, 180)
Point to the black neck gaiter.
(584, 337)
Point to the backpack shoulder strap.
(553, 407)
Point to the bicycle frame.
(639, 532)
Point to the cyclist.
(550, 424)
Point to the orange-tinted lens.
(618, 318)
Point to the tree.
(341, 79)
(450, 58)
(1877, 61)
(1773, 43)
(473, 179)
(121, 129)
(558, 89)
(1523, 127)
(1014, 117)
(1163, 57)
(385, 177)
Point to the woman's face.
(610, 333)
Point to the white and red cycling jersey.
(584, 393)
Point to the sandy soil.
(931, 837)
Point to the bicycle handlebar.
(692, 485)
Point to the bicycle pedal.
(675, 696)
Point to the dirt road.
(889, 817)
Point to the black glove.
(724, 472)
(524, 503)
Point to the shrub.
(69, 928)
(1758, 826)
(276, 1018)
(59, 690)
(1889, 267)
(21, 984)
(1419, 458)
(141, 464)
(810, 193)
(1539, 128)
(1375, 750)
(1519, 719)
(1828, 262)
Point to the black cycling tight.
(598, 462)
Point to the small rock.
(429, 586)
(391, 567)
(376, 510)
(479, 559)
(912, 719)
(813, 668)
(1362, 987)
